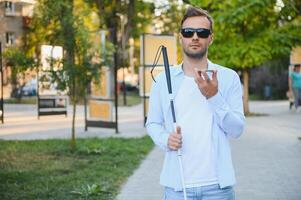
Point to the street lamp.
(1, 84)
(123, 21)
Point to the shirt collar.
(211, 65)
(179, 69)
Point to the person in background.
(295, 85)
(290, 96)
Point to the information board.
(150, 44)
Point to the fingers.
(178, 130)
(175, 139)
(199, 75)
(205, 76)
(214, 75)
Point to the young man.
(209, 111)
(295, 85)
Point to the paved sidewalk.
(266, 159)
(21, 123)
(144, 183)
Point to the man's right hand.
(175, 139)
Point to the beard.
(195, 54)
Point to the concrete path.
(21, 123)
(266, 159)
(144, 183)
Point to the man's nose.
(195, 36)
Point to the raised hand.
(207, 86)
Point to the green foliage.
(108, 11)
(48, 169)
(142, 18)
(19, 63)
(123, 20)
(66, 24)
(90, 190)
(16, 59)
(249, 33)
(171, 16)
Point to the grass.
(254, 97)
(132, 98)
(23, 100)
(252, 114)
(50, 170)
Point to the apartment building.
(14, 18)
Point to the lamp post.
(123, 21)
(1, 97)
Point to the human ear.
(211, 39)
(180, 38)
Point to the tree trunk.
(127, 27)
(73, 141)
(246, 91)
(70, 46)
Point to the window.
(10, 38)
(9, 8)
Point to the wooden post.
(246, 90)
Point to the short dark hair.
(297, 65)
(195, 12)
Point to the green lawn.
(23, 100)
(50, 170)
(132, 98)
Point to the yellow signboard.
(100, 110)
(146, 79)
(150, 46)
(151, 43)
(296, 56)
(101, 90)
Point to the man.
(295, 85)
(209, 111)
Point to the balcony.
(21, 1)
(26, 22)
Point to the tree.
(123, 20)
(19, 63)
(134, 15)
(170, 15)
(64, 23)
(250, 33)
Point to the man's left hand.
(207, 86)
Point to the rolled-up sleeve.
(155, 118)
(228, 109)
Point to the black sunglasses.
(201, 32)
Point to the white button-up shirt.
(228, 122)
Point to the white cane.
(168, 81)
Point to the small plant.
(89, 190)
(95, 151)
